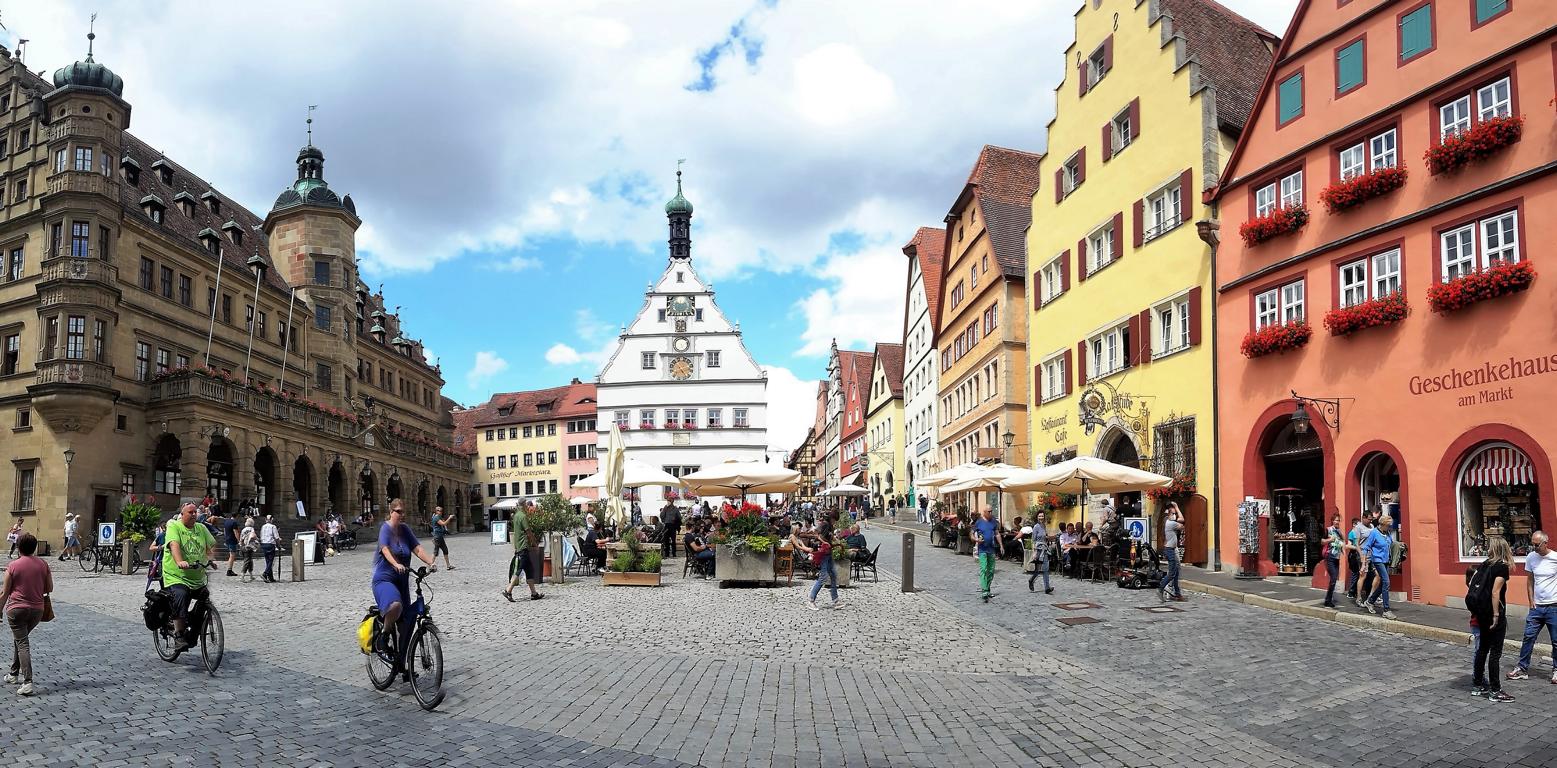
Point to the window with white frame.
(713, 358)
(1096, 67)
(1122, 132)
(1265, 200)
(1107, 352)
(1172, 320)
(620, 418)
(648, 360)
(1494, 100)
(646, 418)
(1368, 278)
(1051, 280)
(1454, 117)
(1053, 383)
(1100, 248)
(741, 419)
(1353, 161)
(1354, 283)
(1292, 302)
(1279, 305)
(1382, 150)
(1477, 245)
(1292, 190)
(1072, 175)
(1162, 211)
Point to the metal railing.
(1168, 225)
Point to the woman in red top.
(27, 583)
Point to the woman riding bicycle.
(391, 582)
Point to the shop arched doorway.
(303, 482)
(166, 466)
(1295, 482)
(1497, 495)
(218, 472)
(1118, 446)
(367, 500)
(337, 488)
(1377, 483)
(264, 480)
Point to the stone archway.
(303, 482)
(265, 481)
(336, 486)
(219, 472)
(367, 500)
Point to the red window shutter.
(1145, 343)
(1194, 316)
(1037, 383)
(1036, 286)
(1081, 166)
(1108, 53)
(1059, 185)
(1132, 350)
(1064, 271)
(1137, 214)
(1186, 207)
(1135, 119)
(1081, 260)
(1118, 237)
(1081, 363)
(1069, 368)
(1081, 76)
(1108, 141)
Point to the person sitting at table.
(1012, 536)
(1089, 537)
(594, 545)
(1067, 543)
(782, 526)
(855, 541)
(697, 547)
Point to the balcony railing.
(89, 182)
(76, 372)
(1158, 230)
(64, 264)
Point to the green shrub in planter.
(649, 562)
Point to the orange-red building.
(1380, 222)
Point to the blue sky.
(510, 160)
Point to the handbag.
(48, 609)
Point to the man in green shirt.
(188, 546)
(527, 555)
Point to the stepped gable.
(1233, 52)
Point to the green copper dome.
(89, 74)
(679, 203)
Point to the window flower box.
(1281, 337)
(1500, 279)
(1348, 194)
(1272, 225)
(646, 425)
(1482, 141)
(1183, 487)
(688, 425)
(1384, 310)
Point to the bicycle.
(204, 626)
(424, 661)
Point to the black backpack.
(1478, 594)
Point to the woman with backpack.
(1486, 600)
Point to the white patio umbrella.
(738, 478)
(983, 478)
(635, 474)
(581, 500)
(845, 489)
(945, 476)
(616, 456)
(1083, 475)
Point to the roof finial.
(311, 108)
(678, 174)
(91, 35)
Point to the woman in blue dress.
(391, 580)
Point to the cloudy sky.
(510, 160)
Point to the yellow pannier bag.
(365, 635)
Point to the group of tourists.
(1486, 598)
(1371, 552)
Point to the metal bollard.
(908, 562)
(297, 560)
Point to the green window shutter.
(1416, 32)
(1348, 67)
(1486, 9)
(1290, 98)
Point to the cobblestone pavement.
(690, 674)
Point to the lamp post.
(70, 457)
(1328, 408)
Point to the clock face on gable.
(681, 369)
(681, 344)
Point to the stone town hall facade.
(119, 265)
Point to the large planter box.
(748, 566)
(614, 579)
(964, 546)
(843, 568)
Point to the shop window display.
(1497, 496)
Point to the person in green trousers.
(986, 533)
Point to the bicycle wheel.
(212, 639)
(426, 666)
(87, 560)
(381, 668)
(162, 640)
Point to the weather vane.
(311, 108)
(91, 34)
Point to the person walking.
(13, 536)
(526, 563)
(230, 530)
(822, 557)
(248, 541)
(1172, 534)
(1541, 564)
(1487, 600)
(670, 515)
(1365, 566)
(1334, 546)
(1377, 547)
(268, 537)
(1040, 539)
(440, 530)
(1353, 558)
(25, 595)
(986, 534)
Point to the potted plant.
(1274, 224)
(744, 545)
(552, 518)
(1478, 143)
(964, 532)
(1500, 279)
(137, 523)
(843, 562)
(633, 566)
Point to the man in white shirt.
(72, 546)
(269, 535)
(1541, 565)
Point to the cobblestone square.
(689, 674)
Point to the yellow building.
(529, 444)
(884, 449)
(981, 319)
(1153, 101)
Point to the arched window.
(1496, 495)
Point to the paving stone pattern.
(691, 674)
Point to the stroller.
(1143, 572)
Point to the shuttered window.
(1349, 67)
(1486, 9)
(1416, 32)
(1290, 98)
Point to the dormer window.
(212, 202)
(211, 240)
(185, 203)
(234, 232)
(131, 170)
(153, 207)
(164, 171)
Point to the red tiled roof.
(579, 400)
(525, 407)
(929, 247)
(1003, 182)
(1233, 52)
(856, 367)
(890, 356)
(465, 428)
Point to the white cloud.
(562, 354)
(791, 408)
(834, 86)
(863, 304)
(429, 356)
(487, 365)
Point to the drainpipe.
(1210, 231)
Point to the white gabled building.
(921, 378)
(681, 384)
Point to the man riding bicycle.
(188, 545)
(391, 582)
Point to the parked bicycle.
(423, 665)
(204, 627)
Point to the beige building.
(529, 444)
(162, 341)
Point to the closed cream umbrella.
(614, 469)
(845, 489)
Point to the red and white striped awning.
(1500, 466)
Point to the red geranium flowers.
(1381, 311)
(1278, 337)
(1344, 195)
(1500, 279)
(1480, 142)
(1274, 224)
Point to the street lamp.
(1328, 408)
(1007, 439)
(70, 457)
